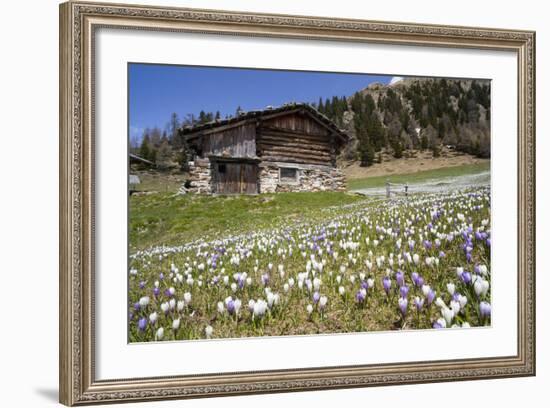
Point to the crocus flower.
(153, 317)
(400, 278)
(260, 308)
(430, 296)
(316, 297)
(208, 330)
(341, 290)
(404, 291)
(230, 304)
(448, 315)
(418, 302)
(322, 302)
(176, 324)
(142, 324)
(451, 288)
(309, 309)
(386, 283)
(403, 302)
(361, 295)
(466, 277)
(484, 309)
(481, 287)
(156, 292)
(440, 323)
(221, 307)
(144, 301)
(159, 334)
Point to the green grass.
(418, 177)
(169, 219)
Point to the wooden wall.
(295, 138)
(238, 141)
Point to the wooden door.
(235, 178)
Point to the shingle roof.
(258, 114)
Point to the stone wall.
(200, 176)
(309, 178)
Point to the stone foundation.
(309, 178)
(200, 176)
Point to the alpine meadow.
(316, 203)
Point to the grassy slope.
(418, 177)
(168, 219)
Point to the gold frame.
(78, 22)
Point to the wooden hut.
(289, 148)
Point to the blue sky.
(155, 91)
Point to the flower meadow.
(417, 262)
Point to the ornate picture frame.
(78, 24)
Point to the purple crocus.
(230, 305)
(156, 292)
(404, 291)
(142, 324)
(430, 297)
(137, 306)
(361, 295)
(466, 277)
(484, 309)
(418, 303)
(427, 245)
(386, 283)
(265, 279)
(400, 278)
(316, 297)
(437, 325)
(161, 276)
(142, 284)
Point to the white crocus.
(144, 301)
(159, 334)
(323, 302)
(187, 298)
(208, 330)
(221, 307)
(309, 309)
(176, 324)
(341, 290)
(451, 288)
(153, 317)
(448, 315)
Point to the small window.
(221, 168)
(288, 174)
